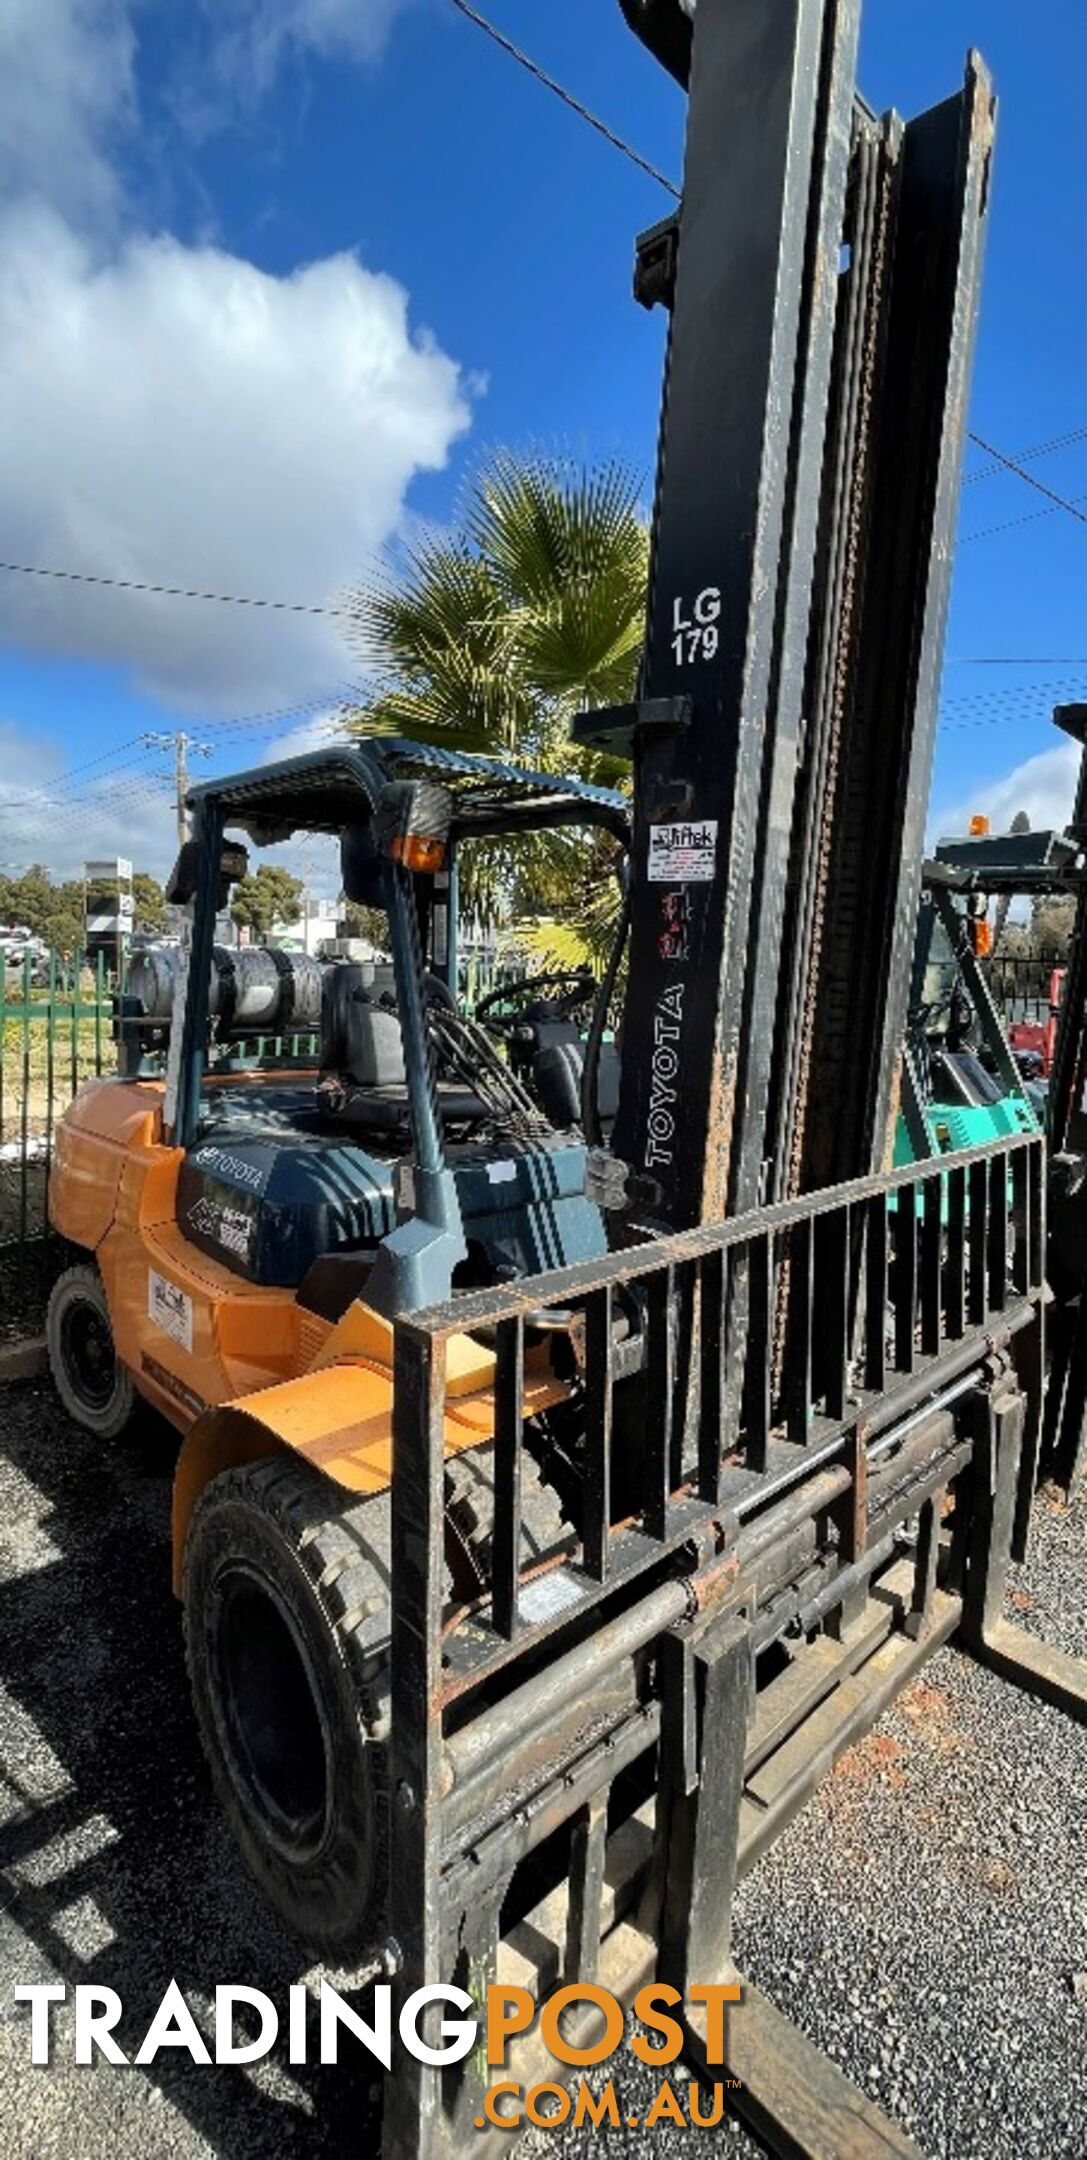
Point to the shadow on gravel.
(114, 1862)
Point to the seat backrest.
(360, 1038)
(557, 1072)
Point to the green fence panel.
(55, 1033)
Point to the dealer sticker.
(170, 1309)
(683, 854)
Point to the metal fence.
(58, 1016)
(1022, 983)
(57, 1032)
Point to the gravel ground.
(925, 1919)
(26, 1278)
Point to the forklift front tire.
(286, 1598)
(93, 1385)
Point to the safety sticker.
(683, 854)
(170, 1309)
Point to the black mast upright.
(756, 265)
(822, 273)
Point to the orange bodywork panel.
(239, 1368)
(107, 1120)
(191, 1333)
(339, 1419)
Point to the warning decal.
(170, 1309)
(683, 854)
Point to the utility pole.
(183, 746)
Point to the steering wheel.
(580, 988)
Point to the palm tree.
(492, 640)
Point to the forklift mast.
(822, 275)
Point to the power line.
(1032, 517)
(1002, 693)
(339, 694)
(566, 97)
(1012, 699)
(154, 787)
(168, 592)
(63, 795)
(1062, 502)
(1027, 457)
(105, 757)
(1002, 462)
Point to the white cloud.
(176, 415)
(66, 92)
(253, 38)
(1044, 786)
(120, 810)
(126, 806)
(315, 734)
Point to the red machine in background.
(1040, 1036)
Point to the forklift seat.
(363, 1078)
(557, 1071)
(361, 1043)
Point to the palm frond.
(494, 638)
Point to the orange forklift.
(569, 1477)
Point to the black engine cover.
(268, 1205)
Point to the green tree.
(63, 928)
(1052, 923)
(150, 902)
(31, 899)
(492, 640)
(266, 896)
(370, 923)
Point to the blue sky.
(275, 271)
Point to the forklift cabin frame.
(327, 791)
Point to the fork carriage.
(583, 1764)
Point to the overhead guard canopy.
(326, 790)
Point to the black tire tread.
(116, 1420)
(341, 1545)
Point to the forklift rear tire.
(286, 1596)
(94, 1387)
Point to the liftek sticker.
(683, 854)
(170, 1309)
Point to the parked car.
(18, 944)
